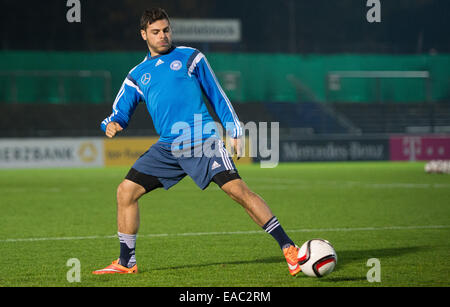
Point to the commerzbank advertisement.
(51, 152)
(77, 152)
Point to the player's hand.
(236, 146)
(112, 128)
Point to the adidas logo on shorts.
(215, 165)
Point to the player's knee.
(127, 192)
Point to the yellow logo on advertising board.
(87, 152)
(125, 151)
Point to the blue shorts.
(171, 166)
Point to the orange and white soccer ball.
(317, 258)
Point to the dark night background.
(282, 26)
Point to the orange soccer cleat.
(291, 254)
(116, 268)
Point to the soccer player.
(171, 81)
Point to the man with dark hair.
(150, 16)
(171, 81)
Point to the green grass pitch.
(394, 212)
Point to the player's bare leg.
(260, 212)
(255, 206)
(128, 194)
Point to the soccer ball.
(317, 258)
(438, 166)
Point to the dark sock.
(127, 250)
(274, 228)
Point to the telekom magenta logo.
(412, 147)
(418, 148)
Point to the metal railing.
(333, 80)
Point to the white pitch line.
(372, 228)
(195, 234)
(56, 239)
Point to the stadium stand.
(397, 118)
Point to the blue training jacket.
(172, 86)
